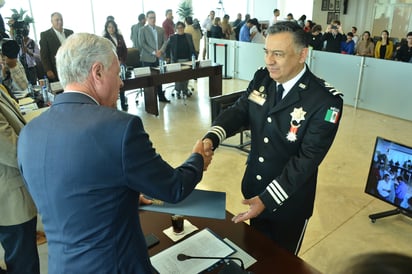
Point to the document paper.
(204, 244)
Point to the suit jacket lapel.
(7, 101)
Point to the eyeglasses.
(277, 54)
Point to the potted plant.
(185, 9)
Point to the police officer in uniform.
(293, 117)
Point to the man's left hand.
(256, 207)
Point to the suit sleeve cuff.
(274, 196)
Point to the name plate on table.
(173, 67)
(141, 71)
(205, 63)
(56, 87)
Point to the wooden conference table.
(270, 258)
(155, 78)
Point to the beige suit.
(16, 204)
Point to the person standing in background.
(17, 210)
(134, 35)
(194, 30)
(276, 13)
(153, 44)
(236, 25)
(50, 41)
(111, 32)
(334, 36)
(32, 54)
(168, 25)
(207, 26)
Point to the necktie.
(279, 93)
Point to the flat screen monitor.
(390, 173)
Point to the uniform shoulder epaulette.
(329, 87)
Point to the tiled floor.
(340, 227)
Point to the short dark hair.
(317, 28)
(189, 20)
(409, 34)
(299, 36)
(150, 12)
(180, 23)
(114, 25)
(355, 28)
(167, 11)
(141, 17)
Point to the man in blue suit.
(85, 164)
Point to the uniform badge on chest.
(258, 96)
(297, 116)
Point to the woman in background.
(193, 28)
(111, 32)
(226, 27)
(365, 47)
(256, 35)
(384, 47)
(216, 29)
(315, 37)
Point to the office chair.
(219, 104)
(133, 61)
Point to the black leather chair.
(133, 61)
(219, 104)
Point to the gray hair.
(78, 53)
(299, 36)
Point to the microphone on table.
(233, 267)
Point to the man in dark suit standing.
(152, 47)
(50, 41)
(293, 117)
(85, 164)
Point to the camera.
(21, 29)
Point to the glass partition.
(368, 83)
(386, 88)
(340, 70)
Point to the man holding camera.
(334, 36)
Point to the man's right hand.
(207, 155)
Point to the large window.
(90, 15)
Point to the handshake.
(204, 148)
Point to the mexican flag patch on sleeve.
(332, 115)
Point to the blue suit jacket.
(85, 166)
